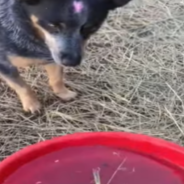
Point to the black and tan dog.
(51, 33)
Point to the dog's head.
(65, 25)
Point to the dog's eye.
(87, 30)
(56, 28)
(90, 28)
(53, 28)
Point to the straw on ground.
(132, 79)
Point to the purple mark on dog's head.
(78, 6)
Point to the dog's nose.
(71, 59)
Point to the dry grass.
(132, 80)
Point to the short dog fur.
(50, 33)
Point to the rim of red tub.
(154, 147)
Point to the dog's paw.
(67, 95)
(31, 104)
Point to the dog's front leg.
(11, 76)
(56, 75)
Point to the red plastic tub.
(96, 158)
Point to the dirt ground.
(132, 79)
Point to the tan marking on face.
(49, 39)
(39, 30)
(21, 62)
(53, 42)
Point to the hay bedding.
(132, 80)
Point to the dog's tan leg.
(26, 95)
(56, 75)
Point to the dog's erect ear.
(31, 2)
(118, 3)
